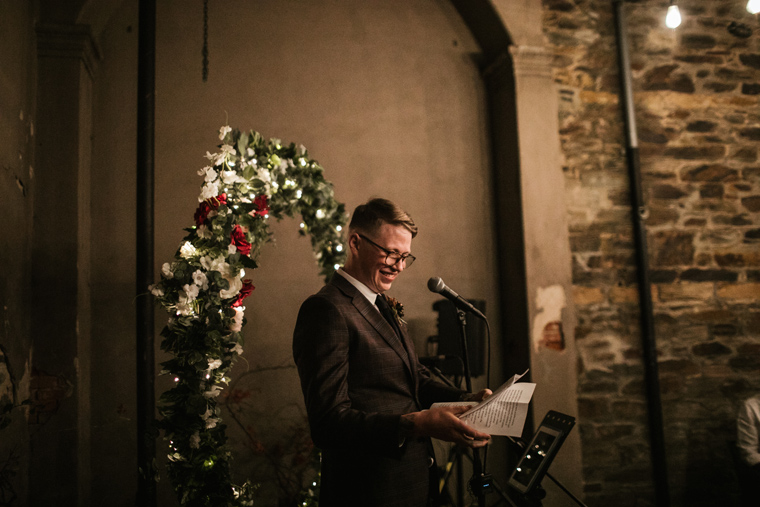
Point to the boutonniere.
(397, 309)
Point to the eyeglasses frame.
(389, 254)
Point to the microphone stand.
(477, 464)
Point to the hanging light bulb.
(753, 6)
(673, 18)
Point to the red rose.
(238, 239)
(201, 214)
(262, 206)
(245, 291)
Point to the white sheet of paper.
(502, 413)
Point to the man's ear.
(353, 242)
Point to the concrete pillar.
(548, 266)
(60, 389)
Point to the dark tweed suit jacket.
(357, 378)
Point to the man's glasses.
(392, 257)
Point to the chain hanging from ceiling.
(205, 40)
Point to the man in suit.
(366, 394)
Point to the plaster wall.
(17, 105)
(385, 95)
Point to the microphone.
(435, 284)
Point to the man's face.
(369, 266)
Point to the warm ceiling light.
(673, 18)
(753, 6)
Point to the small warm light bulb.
(208, 376)
(320, 213)
(673, 18)
(339, 248)
(176, 379)
(302, 225)
(299, 194)
(336, 267)
(339, 228)
(753, 6)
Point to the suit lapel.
(370, 312)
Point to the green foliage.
(248, 182)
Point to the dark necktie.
(385, 311)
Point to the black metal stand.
(480, 483)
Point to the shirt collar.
(366, 292)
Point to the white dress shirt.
(747, 430)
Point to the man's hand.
(442, 423)
(482, 395)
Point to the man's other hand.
(442, 423)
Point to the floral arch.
(203, 288)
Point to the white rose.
(204, 232)
(156, 290)
(237, 321)
(187, 250)
(166, 270)
(191, 291)
(224, 131)
(183, 305)
(231, 249)
(210, 175)
(215, 264)
(238, 349)
(199, 279)
(213, 392)
(213, 364)
(229, 177)
(195, 440)
(208, 191)
(235, 285)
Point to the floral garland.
(203, 289)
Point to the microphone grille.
(435, 284)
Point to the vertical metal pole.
(146, 73)
(649, 346)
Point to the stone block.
(711, 191)
(751, 89)
(695, 152)
(593, 408)
(667, 192)
(752, 133)
(710, 349)
(583, 296)
(624, 294)
(745, 154)
(630, 410)
(698, 41)
(752, 203)
(711, 172)
(672, 248)
(745, 363)
(720, 87)
(709, 275)
(750, 60)
(739, 292)
(658, 276)
(682, 367)
(701, 126)
(752, 236)
(685, 292)
(662, 215)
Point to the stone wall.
(696, 97)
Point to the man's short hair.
(369, 217)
